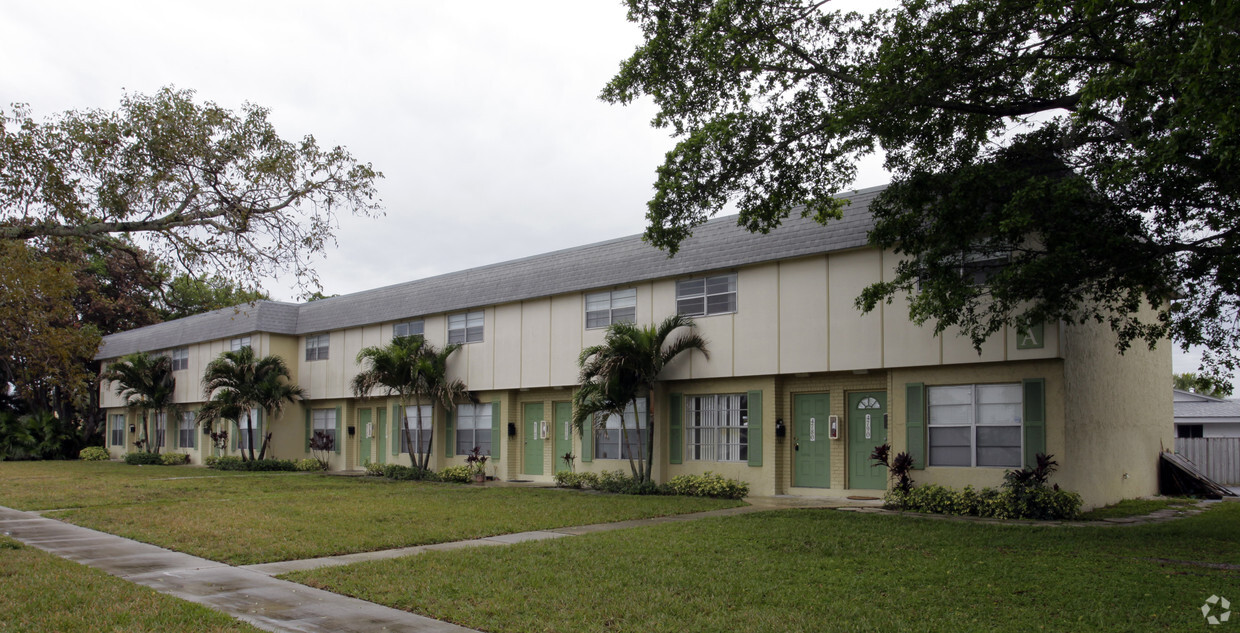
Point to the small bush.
(142, 459)
(567, 479)
(308, 464)
(1035, 503)
(408, 473)
(210, 460)
(456, 474)
(374, 469)
(236, 463)
(94, 454)
(707, 485)
(174, 459)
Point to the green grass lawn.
(42, 593)
(254, 518)
(1137, 507)
(821, 570)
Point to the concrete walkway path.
(252, 594)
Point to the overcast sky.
(483, 116)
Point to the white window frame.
(117, 437)
(611, 306)
(408, 328)
(607, 434)
(324, 420)
(473, 428)
(179, 358)
(422, 437)
(694, 297)
(717, 427)
(318, 346)
(939, 417)
(466, 327)
(243, 442)
(239, 342)
(187, 437)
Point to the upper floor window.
(975, 425)
(465, 327)
(236, 344)
(706, 295)
(180, 358)
(316, 347)
(408, 328)
(605, 308)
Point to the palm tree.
(147, 384)
(625, 367)
(238, 382)
(416, 372)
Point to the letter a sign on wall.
(1029, 336)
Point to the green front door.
(563, 434)
(533, 444)
(366, 430)
(811, 445)
(867, 428)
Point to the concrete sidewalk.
(251, 593)
(257, 598)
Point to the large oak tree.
(1092, 145)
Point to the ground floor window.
(161, 429)
(473, 428)
(423, 437)
(117, 430)
(717, 427)
(185, 433)
(243, 435)
(975, 425)
(611, 442)
(1190, 430)
(324, 420)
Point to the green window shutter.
(380, 431)
(397, 423)
(587, 440)
(449, 438)
(176, 433)
(497, 430)
(308, 429)
(915, 422)
(258, 430)
(755, 428)
(675, 428)
(1035, 419)
(339, 430)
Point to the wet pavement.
(251, 593)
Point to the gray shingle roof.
(716, 245)
(1206, 410)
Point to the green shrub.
(456, 474)
(173, 459)
(374, 469)
(236, 463)
(707, 485)
(308, 464)
(210, 460)
(568, 479)
(618, 482)
(588, 480)
(408, 473)
(142, 459)
(94, 454)
(1043, 503)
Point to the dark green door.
(563, 434)
(366, 430)
(867, 428)
(533, 444)
(811, 445)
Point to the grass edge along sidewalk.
(813, 570)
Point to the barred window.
(612, 442)
(161, 428)
(243, 438)
(421, 437)
(473, 428)
(718, 427)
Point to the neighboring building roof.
(1194, 408)
(718, 244)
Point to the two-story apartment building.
(798, 388)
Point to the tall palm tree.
(238, 382)
(147, 385)
(416, 372)
(625, 367)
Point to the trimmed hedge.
(456, 474)
(236, 463)
(707, 485)
(1040, 503)
(408, 473)
(94, 454)
(309, 464)
(173, 459)
(143, 459)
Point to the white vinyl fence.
(1217, 457)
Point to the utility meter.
(833, 427)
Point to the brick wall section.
(837, 385)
